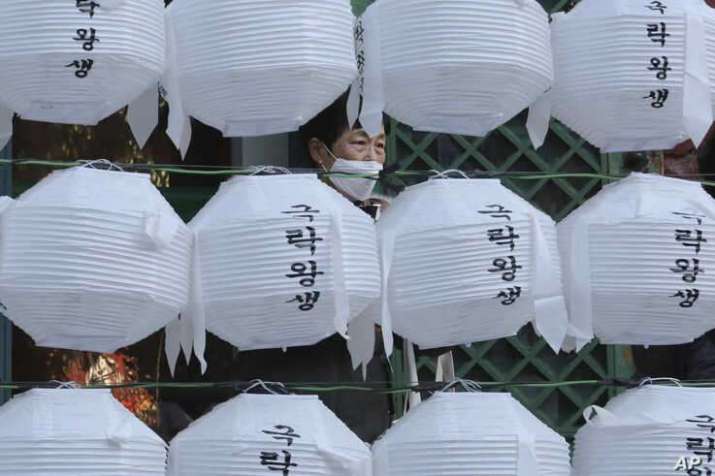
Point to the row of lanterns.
(625, 75)
(649, 430)
(95, 260)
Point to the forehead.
(353, 133)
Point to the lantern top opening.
(91, 170)
(456, 180)
(69, 392)
(655, 179)
(276, 177)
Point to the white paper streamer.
(143, 115)
(551, 320)
(179, 126)
(6, 116)
(537, 124)
(371, 115)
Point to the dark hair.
(329, 124)
(327, 127)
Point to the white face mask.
(357, 188)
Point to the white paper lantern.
(93, 260)
(457, 67)
(467, 434)
(253, 68)
(78, 62)
(76, 433)
(613, 85)
(280, 261)
(468, 260)
(655, 430)
(279, 434)
(637, 260)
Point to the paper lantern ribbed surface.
(254, 68)
(279, 434)
(282, 261)
(468, 260)
(93, 260)
(635, 75)
(637, 260)
(79, 62)
(462, 67)
(656, 430)
(466, 434)
(78, 433)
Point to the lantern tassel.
(6, 116)
(551, 317)
(386, 251)
(361, 344)
(172, 344)
(179, 127)
(537, 125)
(143, 115)
(371, 81)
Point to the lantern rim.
(454, 180)
(89, 170)
(64, 392)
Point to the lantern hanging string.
(206, 170)
(370, 386)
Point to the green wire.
(374, 387)
(206, 171)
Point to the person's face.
(354, 144)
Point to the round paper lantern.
(635, 75)
(458, 67)
(468, 260)
(76, 432)
(77, 62)
(263, 67)
(257, 434)
(637, 260)
(93, 260)
(465, 434)
(281, 261)
(655, 429)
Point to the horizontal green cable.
(374, 387)
(211, 171)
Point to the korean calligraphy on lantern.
(306, 272)
(657, 34)
(360, 52)
(506, 266)
(282, 461)
(687, 266)
(86, 39)
(701, 445)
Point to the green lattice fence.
(524, 357)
